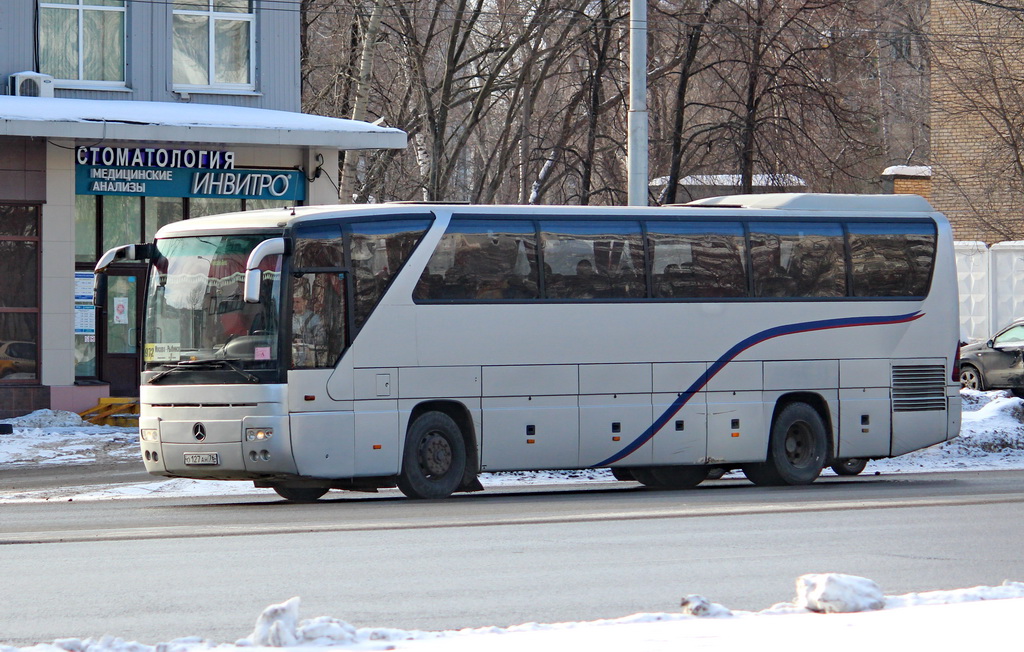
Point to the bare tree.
(696, 16)
(525, 100)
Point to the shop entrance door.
(121, 341)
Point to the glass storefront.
(103, 341)
(19, 293)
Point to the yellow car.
(17, 358)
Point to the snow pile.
(514, 478)
(834, 593)
(46, 419)
(1006, 591)
(995, 426)
(819, 593)
(852, 602)
(701, 607)
(991, 437)
(62, 437)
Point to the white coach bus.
(417, 345)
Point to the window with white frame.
(213, 44)
(83, 40)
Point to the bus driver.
(309, 338)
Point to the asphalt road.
(155, 569)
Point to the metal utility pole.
(637, 138)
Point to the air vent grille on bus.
(918, 387)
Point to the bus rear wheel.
(300, 494)
(435, 457)
(797, 448)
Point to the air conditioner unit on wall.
(31, 84)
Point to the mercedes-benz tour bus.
(368, 346)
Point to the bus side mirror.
(263, 250)
(125, 252)
(252, 285)
(99, 290)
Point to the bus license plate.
(202, 459)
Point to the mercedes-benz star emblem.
(199, 431)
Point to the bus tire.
(645, 476)
(622, 474)
(716, 472)
(797, 448)
(680, 477)
(852, 466)
(300, 494)
(435, 457)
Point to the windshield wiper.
(186, 365)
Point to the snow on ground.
(842, 612)
(992, 438)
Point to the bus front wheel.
(435, 457)
(797, 448)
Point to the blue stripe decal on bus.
(728, 356)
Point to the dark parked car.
(997, 363)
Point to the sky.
(830, 610)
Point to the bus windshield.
(197, 319)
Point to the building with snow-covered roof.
(700, 186)
(908, 180)
(116, 118)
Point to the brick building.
(908, 180)
(977, 137)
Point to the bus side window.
(377, 252)
(482, 260)
(593, 259)
(795, 259)
(891, 260)
(318, 319)
(697, 259)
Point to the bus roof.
(277, 219)
(823, 202)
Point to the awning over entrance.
(105, 120)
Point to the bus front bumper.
(230, 449)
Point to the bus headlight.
(258, 434)
(149, 434)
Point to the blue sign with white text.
(285, 185)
